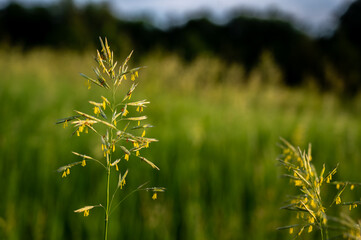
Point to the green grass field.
(218, 132)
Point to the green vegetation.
(331, 63)
(217, 150)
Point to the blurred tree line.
(332, 62)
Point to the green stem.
(324, 232)
(107, 200)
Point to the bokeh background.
(225, 79)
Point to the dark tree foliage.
(343, 49)
(242, 40)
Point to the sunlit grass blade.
(149, 162)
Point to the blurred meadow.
(218, 125)
(217, 149)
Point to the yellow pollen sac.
(132, 77)
(68, 171)
(321, 180)
(116, 167)
(104, 105)
(137, 109)
(77, 133)
(291, 230)
(65, 124)
(96, 110)
(122, 184)
(329, 179)
(137, 153)
(126, 157)
(350, 207)
(338, 186)
(86, 213)
(113, 148)
(83, 163)
(81, 128)
(147, 145)
(310, 228)
(115, 122)
(64, 174)
(352, 187)
(125, 112)
(89, 85)
(338, 200)
(143, 134)
(136, 74)
(125, 77)
(154, 197)
(138, 123)
(298, 183)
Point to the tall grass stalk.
(310, 206)
(110, 122)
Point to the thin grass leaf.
(338, 195)
(135, 118)
(331, 173)
(67, 119)
(104, 50)
(289, 145)
(288, 227)
(70, 165)
(351, 203)
(302, 178)
(113, 66)
(100, 78)
(115, 162)
(149, 139)
(126, 61)
(149, 162)
(84, 209)
(309, 211)
(142, 126)
(122, 178)
(132, 88)
(83, 155)
(91, 80)
(142, 185)
(96, 119)
(138, 103)
(125, 150)
(156, 189)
